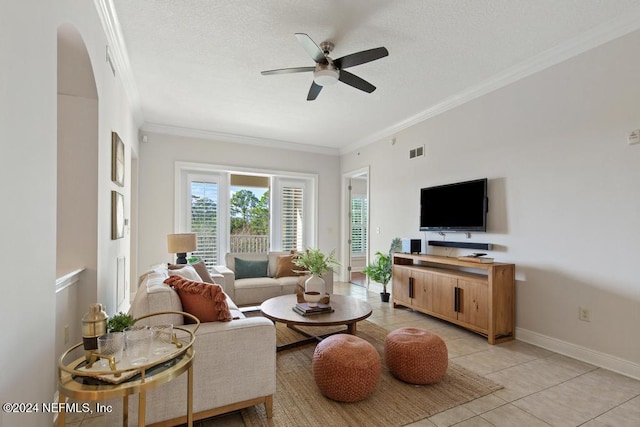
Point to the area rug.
(298, 402)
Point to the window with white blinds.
(292, 218)
(204, 220)
(358, 225)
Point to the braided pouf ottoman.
(416, 356)
(346, 368)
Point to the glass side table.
(82, 380)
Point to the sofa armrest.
(228, 279)
(235, 362)
(217, 278)
(225, 349)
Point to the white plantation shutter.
(204, 220)
(203, 207)
(292, 219)
(358, 225)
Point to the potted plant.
(381, 269)
(118, 322)
(315, 263)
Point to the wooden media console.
(477, 296)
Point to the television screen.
(461, 206)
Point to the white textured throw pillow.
(187, 272)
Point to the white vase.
(315, 284)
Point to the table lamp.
(180, 244)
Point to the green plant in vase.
(381, 269)
(315, 263)
(118, 322)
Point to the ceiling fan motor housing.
(326, 74)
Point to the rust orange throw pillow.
(286, 267)
(205, 301)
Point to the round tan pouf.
(346, 368)
(416, 356)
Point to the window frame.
(364, 210)
(278, 183)
(182, 201)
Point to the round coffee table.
(347, 311)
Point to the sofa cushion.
(247, 269)
(200, 268)
(257, 282)
(286, 267)
(205, 301)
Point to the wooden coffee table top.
(347, 310)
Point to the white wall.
(156, 176)
(564, 191)
(28, 111)
(28, 194)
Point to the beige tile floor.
(541, 388)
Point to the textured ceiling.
(195, 64)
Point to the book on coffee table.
(305, 309)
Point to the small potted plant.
(315, 263)
(118, 322)
(381, 269)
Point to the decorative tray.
(122, 370)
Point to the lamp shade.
(181, 243)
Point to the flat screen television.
(461, 206)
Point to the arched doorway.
(77, 185)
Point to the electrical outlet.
(66, 334)
(584, 314)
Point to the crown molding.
(591, 39)
(238, 139)
(119, 55)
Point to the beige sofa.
(256, 290)
(222, 350)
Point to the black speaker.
(416, 246)
(465, 245)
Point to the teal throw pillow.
(246, 269)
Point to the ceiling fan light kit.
(327, 70)
(326, 76)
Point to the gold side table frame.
(183, 356)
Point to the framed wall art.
(117, 215)
(117, 159)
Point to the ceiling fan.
(327, 70)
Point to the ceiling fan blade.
(314, 91)
(355, 81)
(311, 47)
(287, 70)
(361, 57)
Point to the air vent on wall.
(416, 152)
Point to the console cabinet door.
(473, 303)
(400, 288)
(443, 290)
(422, 289)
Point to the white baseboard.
(602, 360)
